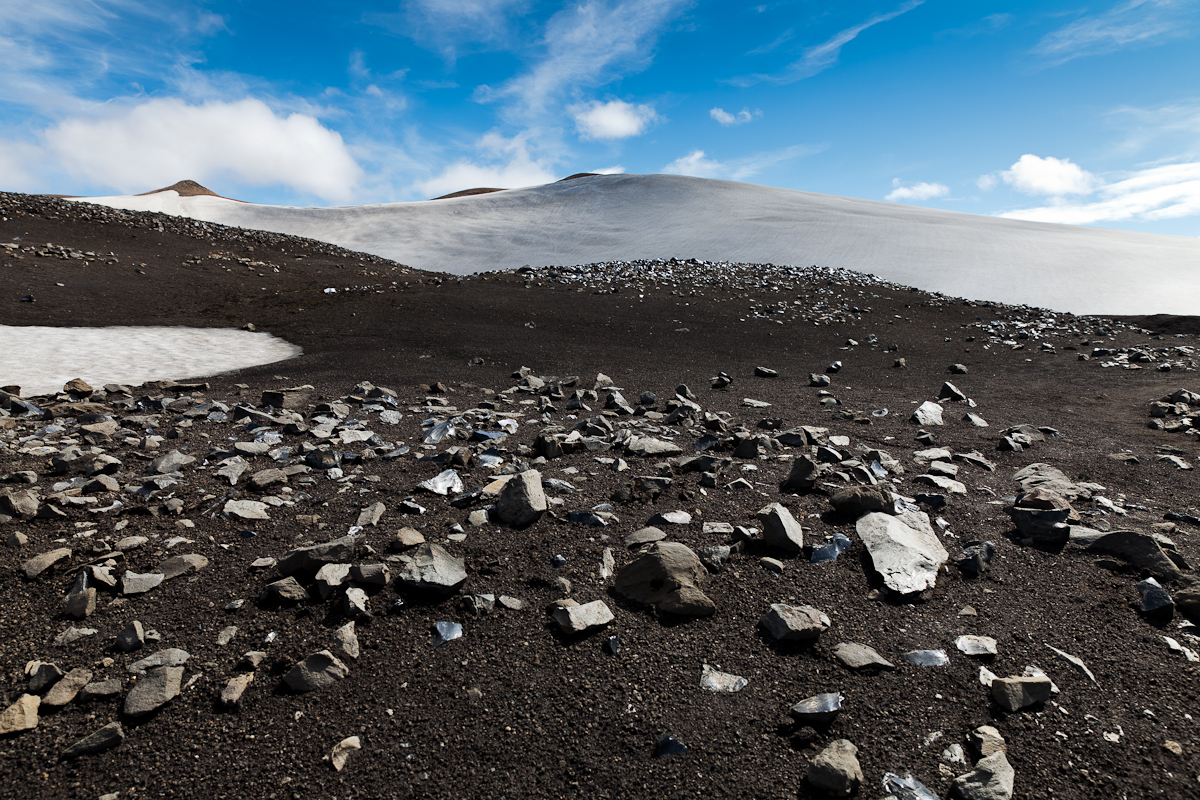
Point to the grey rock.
(23, 503)
(666, 575)
(187, 564)
(818, 708)
(98, 689)
(976, 645)
(73, 634)
(1044, 476)
(903, 549)
(433, 569)
(859, 656)
(1155, 599)
(42, 675)
(644, 536)
(64, 691)
(318, 671)
(131, 637)
(858, 500)
(106, 738)
(266, 478)
(355, 602)
(1139, 549)
(992, 779)
(373, 513)
(803, 475)
(231, 695)
(232, 469)
(522, 501)
(140, 583)
(287, 590)
(330, 578)
(159, 686)
(717, 681)
(21, 715)
(836, 769)
(371, 574)
(345, 640)
(951, 392)
(39, 564)
(928, 413)
(247, 510)
(786, 623)
(82, 604)
(986, 740)
(173, 461)
(582, 618)
(340, 754)
(1020, 691)
(171, 657)
(647, 446)
(780, 528)
(311, 557)
(942, 482)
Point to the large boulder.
(1139, 549)
(1044, 476)
(667, 576)
(432, 569)
(780, 528)
(522, 501)
(903, 549)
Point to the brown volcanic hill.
(515, 708)
(467, 193)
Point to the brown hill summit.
(463, 193)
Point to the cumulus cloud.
(1164, 192)
(615, 119)
(161, 141)
(1128, 24)
(821, 57)
(740, 118)
(616, 169)
(917, 191)
(698, 165)
(499, 163)
(1049, 176)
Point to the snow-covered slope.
(618, 217)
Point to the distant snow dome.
(597, 218)
(41, 360)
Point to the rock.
(522, 501)
(23, 504)
(266, 478)
(346, 640)
(131, 637)
(992, 779)
(647, 446)
(644, 536)
(231, 695)
(73, 634)
(232, 469)
(288, 590)
(666, 575)
(42, 675)
(82, 604)
(859, 656)
(187, 564)
(818, 708)
(803, 476)
(1020, 691)
(942, 482)
(311, 557)
(1139, 549)
(371, 515)
(318, 671)
(170, 657)
(21, 715)
(157, 688)
(433, 569)
(1187, 600)
(447, 632)
(106, 738)
(139, 583)
(669, 746)
(903, 549)
(928, 413)
(671, 518)
(342, 750)
(986, 740)
(17, 539)
(65, 690)
(976, 645)
(958, 369)
(831, 549)
(371, 574)
(173, 461)
(1155, 600)
(355, 602)
(99, 689)
(39, 564)
(786, 623)
(975, 557)
(951, 392)
(582, 618)
(836, 769)
(330, 578)
(1044, 476)
(780, 528)
(246, 510)
(926, 658)
(717, 681)
(859, 500)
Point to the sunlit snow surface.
(40, 360)
(624, 217)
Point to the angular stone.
(986, 740)
(664, 575)
(81, 605)
(330, 578)
(106, 738)
(170, 657)
(287, 590)
(98, 689)
(1139, 549)
(247, 510)
(42, 675)
(156, 689)
(39, 564)
(346, 640)
(311, 557)
(522, 501)
(717, 681)
(187, 564)
(266, 478)
(836, 769)
(903, 549)
(342, 750)
(803, 476)
(1020, 691)
(928, 413)
(859, 656)
(992, 779)
(65, 690)
(171, 462)
(23, 503)
(586, 617)
(786, 623)
(942, 482)
(131, 637)
(371, 515)
(780, 529)
(21, 715)
(433, 569)
(231, 695)
(140, 583)
(319, 670)
(858, 500)
(648, 535)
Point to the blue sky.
(1062, 111)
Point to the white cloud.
(698, 165)
(613, 170)
(917, 191)
(1131, 23)
(615, 119)
(453, 27)
(821, 57)
(161, 141)
(1049, 176)
(499, 163)
(1164, 192)
(987, 182)
(587, 44)
(740, 118)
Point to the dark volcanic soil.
(514, 708)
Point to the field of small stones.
(667, 528)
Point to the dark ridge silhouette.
(467, 193)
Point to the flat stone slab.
(159, 686)
(859, 656)
(903, 549)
